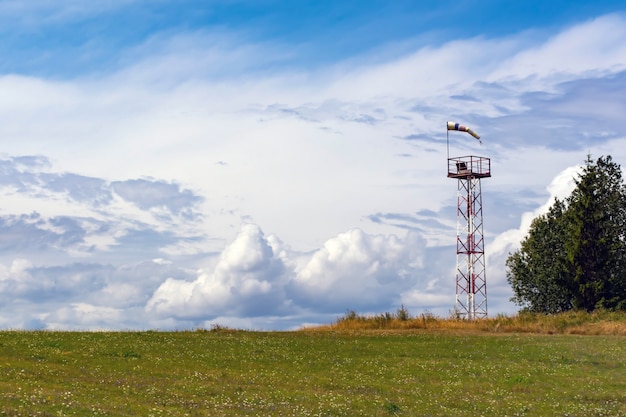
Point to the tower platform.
(470, 166)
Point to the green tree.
(596, 227)
(574, 256)
(537, 271)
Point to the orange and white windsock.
(461, 128)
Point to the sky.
(270, 164)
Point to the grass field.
(321, 372)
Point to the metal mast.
(471, 280)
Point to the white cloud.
(256, 275)
(429, 301)
(595, 47)
(509, 240)
(79, 214)
(84, 316)
(17, 271)
(248, 279)
(360, 271)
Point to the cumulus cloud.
(360, 271)
(248, 279)
(256, 275)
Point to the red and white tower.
(471, 280)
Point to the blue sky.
(44, 39)
(271, 164)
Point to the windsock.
(461, 128)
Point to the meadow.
(335, 370)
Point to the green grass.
(311, 373)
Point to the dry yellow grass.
(580, 323)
